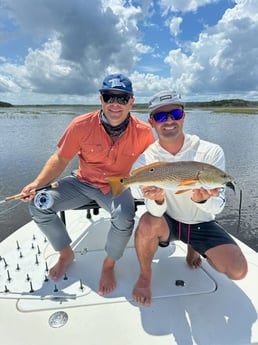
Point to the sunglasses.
(111, 98)
(175, 114)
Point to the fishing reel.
(43, 200)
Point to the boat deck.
(189, 306)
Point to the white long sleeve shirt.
(180, 206)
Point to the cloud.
(67, 47)
(81, 42)
(184, 5)
(6, 85)
(224, 57)
(174, 25)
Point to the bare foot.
(193, 258)
(142, 291)
(65, 259)
(107, 282)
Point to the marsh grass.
(233, 110)
(139, 108)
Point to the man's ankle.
(109, 262)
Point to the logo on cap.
(165, 97)
(116, 82)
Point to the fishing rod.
(33, 191)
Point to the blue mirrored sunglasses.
(112, 98)
(175, 114)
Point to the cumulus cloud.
(224, 57)
(184, 5)
(174, 25)
(72, 45)
(81, 42)
(7, 85)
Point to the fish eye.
(151, 170)
(121, 180)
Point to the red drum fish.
(178, 176)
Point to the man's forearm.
(51, 170)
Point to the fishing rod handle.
(33, 191)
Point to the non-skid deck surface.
(24, 274)
(171, 275)
(168, 271)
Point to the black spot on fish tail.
(230, 185)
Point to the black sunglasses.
(175, 114)
(112, 98)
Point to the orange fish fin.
(117, 184)
(182, 191)
(146, 167)
(188, 182)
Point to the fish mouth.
(230, 185)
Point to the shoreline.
(233, 110)
(142, 108)
(236, 110)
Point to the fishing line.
(9, 209)
(42, 199)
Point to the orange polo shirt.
(99, 157)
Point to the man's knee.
(38, 214)
(33, 209)
(228, 259)
(149, 225)
(239, 270)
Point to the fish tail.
(117, 184)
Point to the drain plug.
(58, 319)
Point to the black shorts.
(201, 236)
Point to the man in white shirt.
(189, 216)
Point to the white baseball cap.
(164, 97)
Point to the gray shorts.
(201, 236)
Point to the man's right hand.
(28, 192)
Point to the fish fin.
(116, 184)
(146, 167)
(188, 182)
(231, 186)
(182, 191)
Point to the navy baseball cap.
(117, 82)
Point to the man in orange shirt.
(107, 143)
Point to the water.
(29, 136)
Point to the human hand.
(202, 194)
(154, 193)
(28, 192)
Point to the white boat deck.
(189, 306)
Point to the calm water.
(29, 136)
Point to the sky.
(59, 51)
